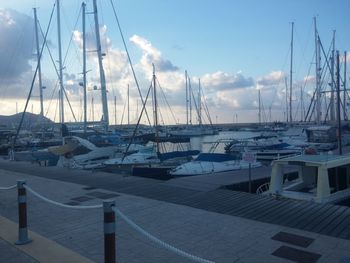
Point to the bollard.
(109, 231)
(22, 215)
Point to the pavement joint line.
(41, 249)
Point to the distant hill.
(31, 121)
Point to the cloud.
(224, 81)
(16, 45)
(274, 78)
(152, 55)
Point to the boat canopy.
(321, 178)
(215, 157)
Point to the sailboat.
(193, 130)
(79, 153)
(151, 160)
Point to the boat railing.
(263, 188)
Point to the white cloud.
(224, 81)
(273, 78)
(152, 55)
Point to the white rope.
(9, 187)
(60, 204)
(158, 241)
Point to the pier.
(192, 214)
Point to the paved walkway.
(213, 236)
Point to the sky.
(234, 48)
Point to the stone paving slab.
(10, 254)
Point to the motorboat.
(76, 152)
(212, 163)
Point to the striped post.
(109, 231)
(22, 214)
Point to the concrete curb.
(41, 249)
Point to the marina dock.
(202, 218)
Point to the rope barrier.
(9, 187)
(60, 204)
(158, 241)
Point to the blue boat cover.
(176, 154)
(215, 157)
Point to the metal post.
(22, 215)
(109, 231)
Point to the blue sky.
(230, 45)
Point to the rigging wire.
(166, 101)
(130, 62)
(109, 71)
(53, 62)
(137, 124)
(206, 110)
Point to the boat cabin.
(321, 178)
(321, 134)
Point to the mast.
(115, 110)
(199, 103)
(105, 117)
(84, 65)
(291, 77)
(344, 94)
(338, 107)
(190, 99)
(186, 98)
(155, 107)
(287, 110)
(332, 99)
(39, 64)
(259, 106)
(128, 105)
(93, 109)
(302, 113)
(60, 67)
(318, 77)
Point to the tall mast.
(344, 94)
(190, 99)
(128, 105)
(84, 66)
(115, 110)
(186, 98)
(199, 103)
(155, 107)
(287, 110)
(318, 77)
(302, 113)
(105, 117)
(338, 107)
(39, 63)
(332, 104)
(60, 67)
(291, 77)
(259, 106)
(93, 109)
